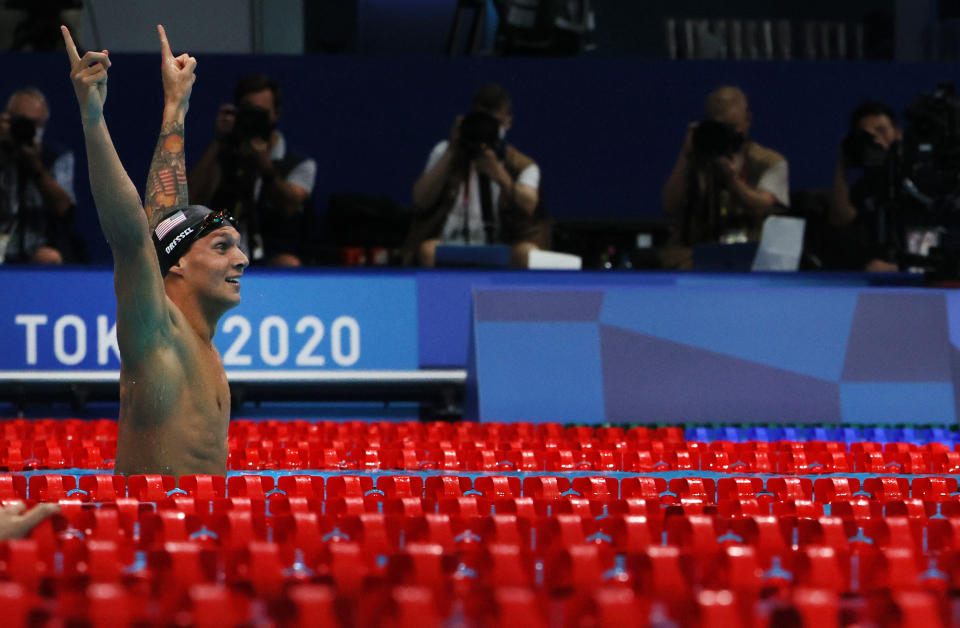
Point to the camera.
(479, 131)
(713, 138)
(935, 116)
(251, 122)
(861, 150)
(23, 131)
(915, 186)
(932, 141)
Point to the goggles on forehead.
(215, 220)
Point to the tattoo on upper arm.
(167, 179)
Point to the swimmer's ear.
(176, 269)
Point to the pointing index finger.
(164, 44)
(68, 42)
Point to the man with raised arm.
(174, 397)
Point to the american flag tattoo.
(166, 225)
(167, 180)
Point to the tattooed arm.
(167, 179)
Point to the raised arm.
(143, 318)
(118, 204)
(167, 179)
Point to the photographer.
(723, 184)
(36, 185)
(858, 215)
(248, 170)
(478, 190)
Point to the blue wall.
(606, 130)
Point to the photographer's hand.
(842, 212)
(259, 151)
(4, 129)
(287, 197)
(55, 197)
(759, 201)
(727, 168)
(430, 183)
(489, 165)
(29, 157)
(522, 196)
(223, 123)
(455, 134)
(674, 193)
(881, 266)
(687, 151)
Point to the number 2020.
(275, 341)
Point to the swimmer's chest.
(208, 380)
(186, 379)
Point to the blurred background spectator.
(861, 214)
(249, 170)
(476, 189)
(594, 123)
(724, 184)
(36, 186)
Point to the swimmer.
(177, 270)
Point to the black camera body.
(861, 150)
(935, 116)
(478, 132)
(915, 184)
(932, 141)
(712, 138)
(251, 122)
(23, 131)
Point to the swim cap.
(182, 227)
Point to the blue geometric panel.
(899, 337)
(656, 380)
(895, 402)
(539, 372)
(803, 330)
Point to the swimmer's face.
(214, 265)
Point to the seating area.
(410, 524)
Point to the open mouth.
(234, 280)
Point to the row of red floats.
(691, 575)
(358, 431)
(423, 586)
(100, 487)
(633, 457)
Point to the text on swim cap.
(177, 240)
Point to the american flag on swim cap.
(166, 225)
